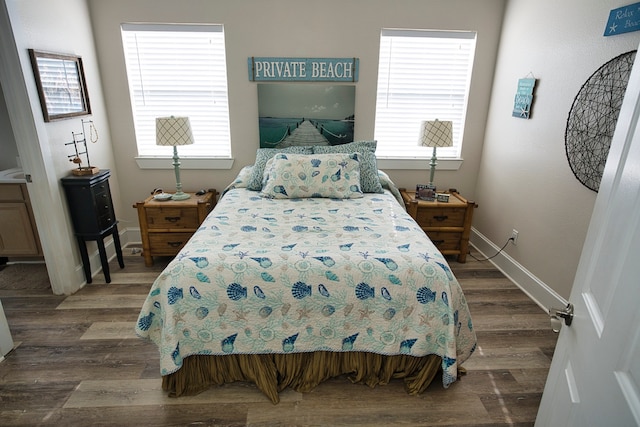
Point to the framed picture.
(426, 192)
(303, 114)
(61, 85)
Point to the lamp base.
(180, 196)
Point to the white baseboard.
(535, 288)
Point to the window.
(422, 75)
(178, 70)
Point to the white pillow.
(293, 176)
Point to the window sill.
(417, 164)
(185, 162)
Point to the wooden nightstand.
(166, 226)
(448, 224)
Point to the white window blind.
(178, 70)
(422, 75)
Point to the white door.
(594, 379)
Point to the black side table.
(91, 208)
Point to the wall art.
(305, 114)
(303, 69)
(593, 117)
(622, 20)
(61, 85)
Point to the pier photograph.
(305, 114)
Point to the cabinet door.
(16, 233)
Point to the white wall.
(8, 146)
(328, 28)
(525, 181)
(60, 26)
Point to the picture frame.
(286, 110)
(426, 192)
(61, 84)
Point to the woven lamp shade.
(173, 131)
(436, 133)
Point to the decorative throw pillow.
(262, 156)
(293, 176)
(369, 180)
(350, 147)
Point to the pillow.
(369, 179)
(350, 147)
(243, 176)
(262, 156)
(294, 176)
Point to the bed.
(287, 290)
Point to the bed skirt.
(302, 372)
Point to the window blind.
(178, 70)
(422, 75)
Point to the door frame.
(32, 141)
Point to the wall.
(329, 28)
(8, 146)
(60, 26)
(525, 181)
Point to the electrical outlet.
(514, 236)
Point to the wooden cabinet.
(92, 215)
(448, 224)
(18, 232)
(166, 226)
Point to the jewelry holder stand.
(80, 139)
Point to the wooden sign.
(524, 98)
(622, 20)
(303, 69)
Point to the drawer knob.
(174, 244)
(440, 217)
(172, 218)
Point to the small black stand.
(93, 217)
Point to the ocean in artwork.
(274, 131)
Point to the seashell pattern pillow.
(294, 176)
(369, 180)
(262, 156)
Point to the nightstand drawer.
(106, 220)
(448, 224)
(441, 217)
(168, 243)
(103, 203)
(445, 241)
(173, 218)
(166, 226)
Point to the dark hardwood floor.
(77, 362)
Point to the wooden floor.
(77, 362)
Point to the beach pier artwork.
(305, 114)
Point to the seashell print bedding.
(299, 275)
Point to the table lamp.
(435, 133)
(174, 131)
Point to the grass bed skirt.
(302, 372)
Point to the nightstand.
(166, 226)
(448, 224)
(91, 209)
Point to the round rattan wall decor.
(593, 117)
